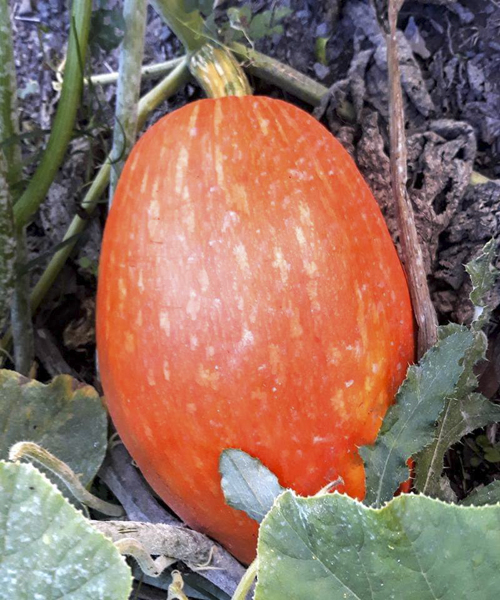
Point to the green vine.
(128, 89)
(62, 128)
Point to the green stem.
(246, 581)
(13, 250)
(10, 161)
(188, 27)
(20, 314)
(154, 71)
(129, 86)
(166, 88)
(7, 244)
(285, 77)
(9, 123)
(62, 128)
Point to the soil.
(450, 60)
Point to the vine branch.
(128, 89)
(62, 128)
(13, 250)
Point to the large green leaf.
(459, 418)
(332, 547)
(65, 417)
(409, 425)
(48, 549)
(247, 484)
(483, 275)
(489, 494)
(466, 410)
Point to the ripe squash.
(249, 296)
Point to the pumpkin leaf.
(267, 23)
(49, 550)
(459, 418)
(243, 24)
(465, 411)
(332, 547)
(483, 275)
(247, 484)
(65, 417)
(409, 425)
(488, 494)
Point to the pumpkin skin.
(249, 297)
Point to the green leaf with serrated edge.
(409, 425)
(460, 417)
(465, 411)
(48, 549)
(468, 380)
(332, 547)
(488, 494)
(483, 276)
(65, 417)
(247, 484)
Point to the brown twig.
(423, 308)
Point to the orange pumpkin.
(249, 297)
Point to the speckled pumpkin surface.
(249, 296)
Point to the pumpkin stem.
(211, 64)
(218, 72)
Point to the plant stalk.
(128, 89)
(14, 283)
(20, 314)
(7, 245)
(62, 128)
(9, 123)
(154, 71)
(272, 71)
(246, 582)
